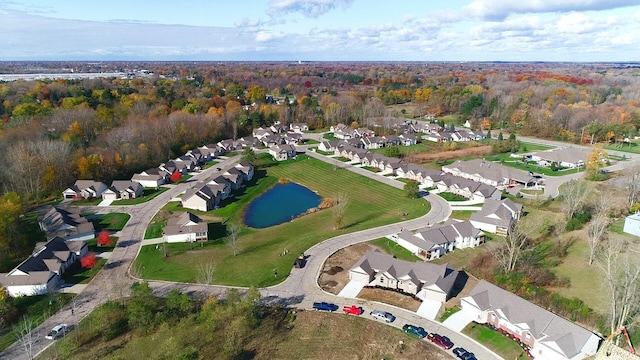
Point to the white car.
(58, 331)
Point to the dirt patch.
(390, 297)
(478, 151)
(335, 273)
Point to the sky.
(321, 30)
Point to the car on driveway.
(355, 310)
(58, 331)
(382, 315)
(418, 331)
(442, 341)
(325, 306)
(463, 354)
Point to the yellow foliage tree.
(596, 158)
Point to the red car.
(355, 310)
(440, 340)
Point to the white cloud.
(308, 8)
(500, 9)
(265, 36)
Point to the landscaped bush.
(578, 221)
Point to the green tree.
(8, 310)
(178, 305)
(142, 306)
(392, 151)
(248, 155)
(411, 190)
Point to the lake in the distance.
(280, 204)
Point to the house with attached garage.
(234, 177)
(489, 173)
(496, 216)
(548, 336)
(123, 189)
(85, 189)
(328, 145)
(422, 279)
(298, 127)
(246, 169)
(432, 243)
(566, 157)
(152, 178)
(41, 272)
(66, 223)
(186, 227)
(282, 152)
(200, 197)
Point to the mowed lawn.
(369, 204)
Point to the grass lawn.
(532, 192)
(404, 150)
(110, 222)
(372, 169)
(631, 147)
(343, 159)
(448, 312)
(326, 153)
(462, 214)
(93, 245)
(154, 230)
(76, 274)
(87, 202)
(149, 193)
(369, 204)
(452, 197)
(392, 248)
(311, 141)
(329, 136)
(536, 169)
(36, 308)
(500, 344)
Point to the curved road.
(299, 290)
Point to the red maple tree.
(88, 261)
(104, 239)
(176, 176)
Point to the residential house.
(549, 336)
(152, 178)
(66, 223)
(293, 138)
(343, 133)
(489, 173)
(368, 159)
(261, 132)
(472, 190)
(227, 145)
(200, 197)
(298, 127)
(282, 152)
(271, 140)
(328, 145)
(188, 161)
(408, 139)
(338, 127)
(186, 228)
(172, 167)
(373, 142)
(246, 168)
(234, 177)
(496, 216)
(363, 132)
(220, 186)
(85, 189)
(565, 157)
(248, 142)
(41, 272)
(278, 128)
(422, 279)
(199, 156)
(431, 243)
(123, 189)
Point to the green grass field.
(392, 248)
(110, 222)
(462, 214)
(369, 204)
(631, 147)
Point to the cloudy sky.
(321, 30)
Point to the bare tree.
(574, 193)
(233, 238)
(622, 277)
(206, 273)
(517, 240)
(339, 209)
(25, 336)
(597, 227)
(633, 184)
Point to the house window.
(527, 337)
(381, 280)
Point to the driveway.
(458, 321)
(352, 289)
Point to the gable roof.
(544, 325)
(186, 222)
(57, 221)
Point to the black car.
(463, 354)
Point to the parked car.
(418, 331)
(463, 354)
(442, 341)
(325, 306)
(58, 331)
(382, 315)
(355, 310)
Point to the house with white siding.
(187, 227)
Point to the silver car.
(58, 331)
(382, 315)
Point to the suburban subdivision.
(447, 234)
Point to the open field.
(369, 204)
(110, 222)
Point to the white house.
(549, 336)
(152, 178)
(85, 189)
(426, 280)
(282, 152)
(496, 216)
(433, 242)
(186, 228)
(123, 189)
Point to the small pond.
(280, 204)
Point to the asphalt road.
(299, 290)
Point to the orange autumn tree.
(89, 261)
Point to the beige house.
(186, 228)
(282, 152)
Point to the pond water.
(280, 204)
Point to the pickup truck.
(325, 306)
(355, 310)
